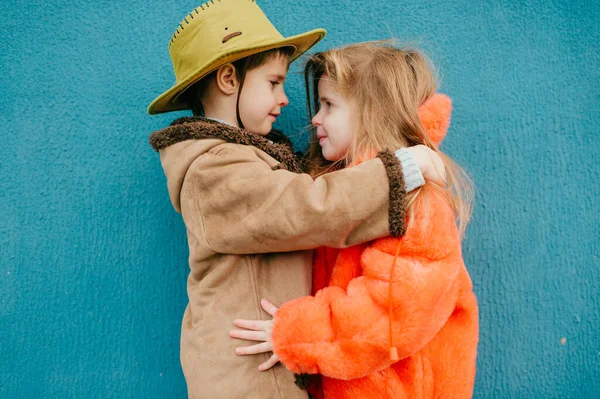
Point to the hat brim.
(168, 101)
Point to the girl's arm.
(345, 334)
(241, 206)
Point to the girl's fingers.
(269, 307)
(256, 325)
(269, 363)
(248, 335)
(254, 349)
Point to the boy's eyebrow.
(277, 76)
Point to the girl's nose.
(316, 120)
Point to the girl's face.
(335, 121)
(263, 96)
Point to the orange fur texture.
(343, 332)
(434, 115)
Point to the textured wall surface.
(93, 257)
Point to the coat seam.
(255, 295)
(201, 216)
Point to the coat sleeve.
(242, 206)
(344, 334)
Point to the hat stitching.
(174, 36)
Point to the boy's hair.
(193, 95)
(387, 85)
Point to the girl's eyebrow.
(324, 99)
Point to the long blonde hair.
(387, 84)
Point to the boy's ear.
(227, 80)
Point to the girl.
(396, 318)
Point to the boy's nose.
(284, 100)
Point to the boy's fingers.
(269, 307)
(254, 349)
(436, 167)
(269, 363)
(256, 325)
(248, 335)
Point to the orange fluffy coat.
(343, 332)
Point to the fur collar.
(275, 144)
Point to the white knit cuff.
(413, 178)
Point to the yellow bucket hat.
(219, 32)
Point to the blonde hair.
(387, 84)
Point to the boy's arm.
(243, 206)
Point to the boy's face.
(335, 121)
(263, 96)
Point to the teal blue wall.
(93, 257)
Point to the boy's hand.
(431, 164)
(257, 330)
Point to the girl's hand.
(257, 330)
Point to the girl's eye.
(324, 105)
(274, 83)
